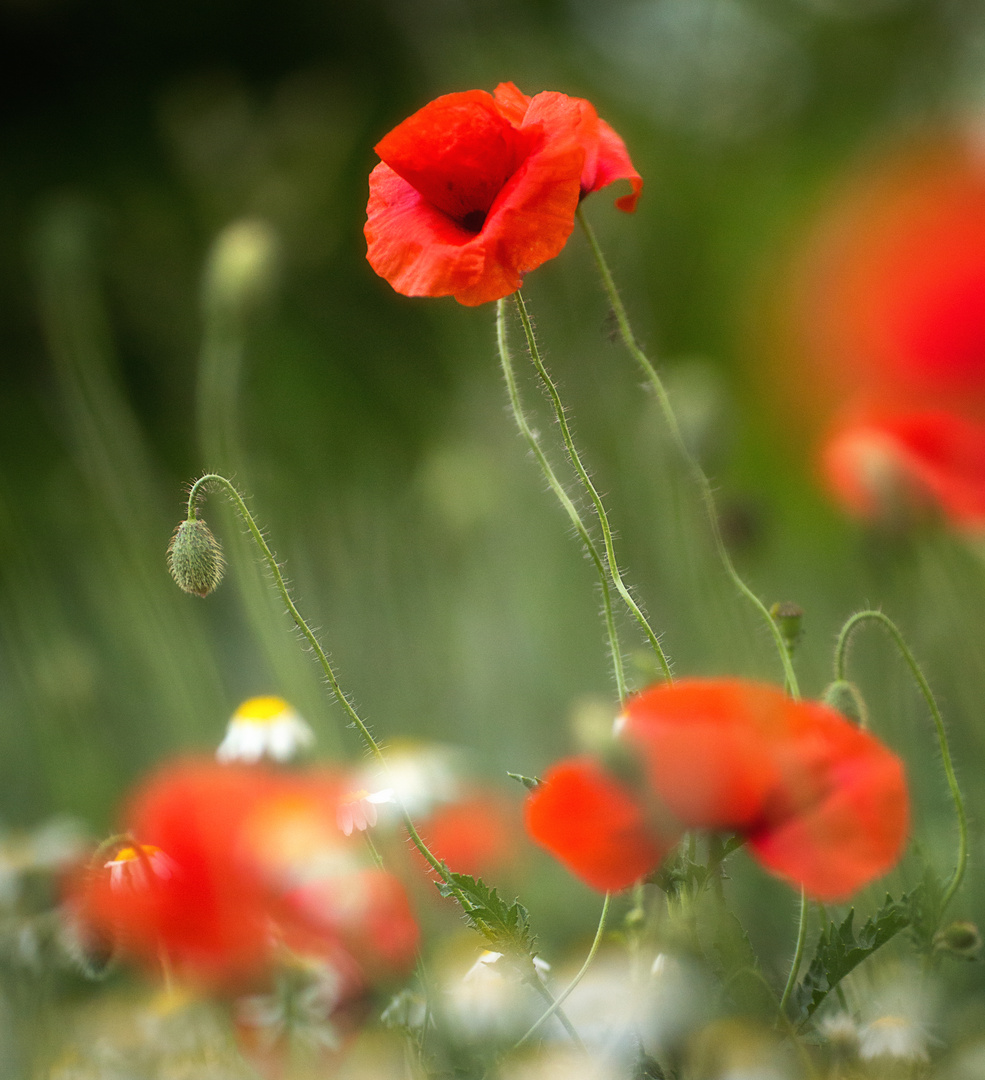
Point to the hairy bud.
(961, 939)
(195, 558)
(846, 698)
(789, 618)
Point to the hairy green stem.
(214, 479)
(841, 652)
(555, 485)
(798, 953)
(561, 998)
(701, 481)
(586, 481)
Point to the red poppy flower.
(231, 863)
(595, 825)
(839, 817)
(475, 190)
(885, 467)
(822, 803)
(474, 835)
(889, 290)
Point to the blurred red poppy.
(886, 295)
(821, 802)
(595, 825)
(476, 189)
(478, 834)
(233, 863)
(890, 467)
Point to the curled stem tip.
(840, 660)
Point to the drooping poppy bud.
(195, 558)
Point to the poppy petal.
(841, 818)
(594, 825)
(877, 465)
(705, 744)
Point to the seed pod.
(195, 558)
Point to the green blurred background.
(370, 430)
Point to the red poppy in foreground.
(890, 467)
(475, 190)
(230, 865)
(822, 803)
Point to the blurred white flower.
(616, 1005)
(841, 1031)
(129, 869)
(357, 810)
(897, 1037)
(896, 1017)
(264, 727)
(419, 776)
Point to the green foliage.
(682, 875)
(841, 948)
(505, 926)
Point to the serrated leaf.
(505, 925)
(924, 904)
(841, 948)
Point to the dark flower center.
(473, 220)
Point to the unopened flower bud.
(846, 698)
(962, 939)
(195, 558)
(241, 266)
(789, 619)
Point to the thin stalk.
(554, 1007)
(561, 998)
(841, 651)
(586, 481)
(372, 745)
(555, 485)
(798, 954)
(701, 481)
(273, 566)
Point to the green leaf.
(841, 948)
(925, 910)
(504, 925)
(529, 782)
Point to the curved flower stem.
(561, 998)
(841, 651)
(533, 442)
(798, 954)
(586, 482)
(214, 479)
(554, 1007)
(698, 474)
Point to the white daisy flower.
(358, 809)
(128, 870)
(898, 1037)
(264, 727)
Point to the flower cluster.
(475, 190)
(893, 305)
(821, 802)
(229, 866)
